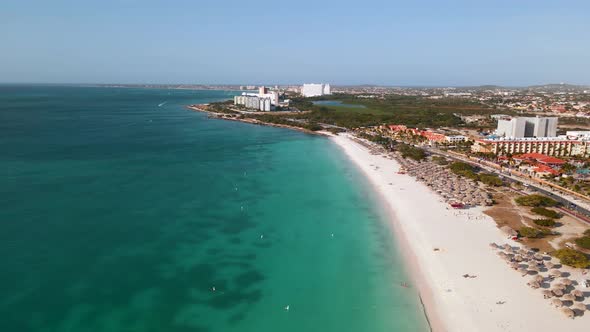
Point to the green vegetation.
(411, 152)
(535, 200)
(463, 169)
(546, 212)
(491, 180)
(545, 222)
(533, 233)
(572, 258)
(583, 242)
(468, 171)
(412, 111)
(587, 232)
(440, 160)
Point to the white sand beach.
(497, 299)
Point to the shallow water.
(121, 210)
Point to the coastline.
(440, 245)
(224, 116)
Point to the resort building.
(519, 127)
(315, 90)
(431, 136)
(264, 100)
(456, 138)
(537, 158)
(551, 146)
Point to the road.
(570, 206)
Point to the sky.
(399, 43)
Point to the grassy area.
(412, 111)
(409, 110)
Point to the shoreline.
(441, 245)
(224, 116)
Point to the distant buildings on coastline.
(315, 90)
(264, 100)
(519, 127)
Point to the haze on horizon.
(422, 43)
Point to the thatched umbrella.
(538, 257)
(578, 293)
(557, 303)
(539, 278)
(548, 265)
(579, 306)
(507, 247)
(518, 258)
(569, 313)
(559, 285)
(494, 245)
(557, 292)
(533, 268)
(566, 281)
(522, 252)
(523, 271)
(502, 254)
(555, 273)
(547, 294)
(535, 285)
(569, 297)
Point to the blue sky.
(422, 42)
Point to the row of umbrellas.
(450, 186)
(527, 261)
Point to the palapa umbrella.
(578, 293)
(535, 285)
(569, 313)
(555, 273)
(539, 278)
(557, 292)
(569, 297)
(566, 281)
(522, 252)
(523, 271)
(557, 303)
(533, 268)
(579, 306)
(514, 265)
(559, 285)
(538, 257)
(507, 247)
(493, 245)
(518, 258)
(548, 265)
(502, 254)
(547, 294)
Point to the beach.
(441, 245)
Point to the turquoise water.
(337, 103)
(120, 210)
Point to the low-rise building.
(456, 138)
(551, 146)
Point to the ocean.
(121, 210)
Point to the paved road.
(569, 206)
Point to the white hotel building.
(261, 101)
(520, 127)
(315, 90)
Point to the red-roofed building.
(397, 127)
(542, 170)
(538, 158)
